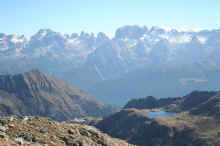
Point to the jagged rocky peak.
(102, 37)
(46, 34)
(85, 35)
(13, 39)
(133, 48)
(132, 32)
(156, 30)
(2, 35)
(74, 35)
(34, 93)
(44, 31)
(31, 80)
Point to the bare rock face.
(43, 131)
(34, 93)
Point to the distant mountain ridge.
(196, 103)
(34, 93)
(96, 63)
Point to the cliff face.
(34, 93)
(42, 131)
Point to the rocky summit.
(38, 131)
(34, 93)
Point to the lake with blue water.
(160, 114)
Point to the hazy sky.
(28, 16)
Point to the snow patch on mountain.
(16, 39)
(131, 46)
(74, 41)
(201, 39)
(42, 34)
(99, 72)
(177, 39)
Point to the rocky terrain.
(182, 129)
(34, 93)
(193, 101)
(210, 107)
(149, 102)
(194, 121)
(38, 131)
(138, 60)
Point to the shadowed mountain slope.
(191, 120)
(34, 93)
(135, 127)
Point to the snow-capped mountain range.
(87, 60)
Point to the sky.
(68, 16)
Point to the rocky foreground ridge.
(38, 131)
